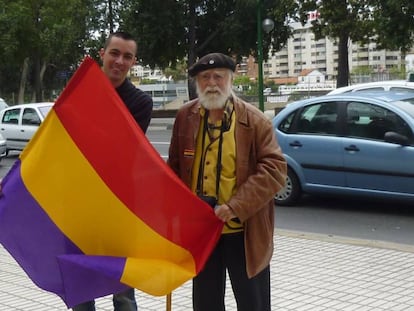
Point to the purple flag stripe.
(45, 253)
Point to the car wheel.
(291, 192)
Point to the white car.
(19, 123)
(267, 91)
(391, 85)
(3, 147)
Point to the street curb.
(346, 240)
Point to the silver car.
(19, 123)
(356, 144)
(3, 147)
(379, 86)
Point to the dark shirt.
(138, 103)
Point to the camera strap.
(203, 156)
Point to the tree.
(179, 72)
(41, 38)
(200, 27)
(389, 23)
(158, 26)
(394, 24)
(227, 26)
(341, 20)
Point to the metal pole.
(260, 54)
(169, 300)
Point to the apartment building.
(302, 52)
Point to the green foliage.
(241, 80)
(147, 81)
(201, 27)
(54, 35)
(253, 89)
(340, 20)
(178, 72)
(362, 70)
(158, 26)
(281, 12)
(49, 33)
(398, 72)
(388, 22)
(394, 24)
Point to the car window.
(30, 117)
(11, 116)
(401, 89)
(286, 124)
(318, 118)
(371, 89)
(409, 100)
(372, 122)
(322, 118)
(45, 110)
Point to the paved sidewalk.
(312, 273)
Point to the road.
(391, 222)
(369, 220)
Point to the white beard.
(212, 97)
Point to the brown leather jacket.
(260, 173)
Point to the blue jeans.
(124, 301)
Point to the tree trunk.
(23, 79)
(110, 17)
(42, 74)
(343, 63)
(403, 67)
(191, 47)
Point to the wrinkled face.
(118, 57)
(214, 87)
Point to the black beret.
(210, 61)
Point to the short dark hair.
(120, 34)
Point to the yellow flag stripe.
(89, 214)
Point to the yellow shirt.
(228, 173)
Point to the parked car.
(359, 144)
(267, 91)
(3, 147)
(391, 85)
(19, 123)
(3, 104)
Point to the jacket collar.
(239, 107)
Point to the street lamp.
(267, 25)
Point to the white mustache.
(212, 89)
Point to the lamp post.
(267, 25)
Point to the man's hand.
(224, 212)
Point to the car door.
(30, 122)
(10, 127)
(371, 162)
(314, 146)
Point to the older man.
(226, 152)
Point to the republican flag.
(90, 208)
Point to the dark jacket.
(138, 103)
(260, 173)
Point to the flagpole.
(169, 301)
